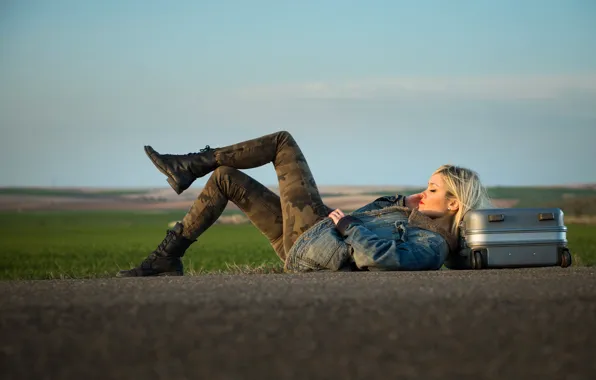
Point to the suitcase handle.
(541, 217)
(546, 216)
(496, 218)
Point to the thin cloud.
(498, 88)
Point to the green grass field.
(98, 244)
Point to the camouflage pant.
(282, 219)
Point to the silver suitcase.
(512, 238)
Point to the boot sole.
(173, 184)
(164, 274)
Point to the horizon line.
(393, 186)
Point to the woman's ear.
(453, 205)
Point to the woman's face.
(434, 202)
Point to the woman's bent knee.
(225, 171)
(285, 136)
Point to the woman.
(416, 232)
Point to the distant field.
(38, 245)
(578, 200)
(537, 196)
(530, 196)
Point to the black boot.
(165, 260)
(182, 170)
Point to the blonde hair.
(464, 185)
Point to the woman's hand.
(412, 201)
(336, 215)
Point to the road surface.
(492, 324)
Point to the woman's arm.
(382, 202)
(422, 252)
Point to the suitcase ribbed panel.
(486, 238)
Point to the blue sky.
(376, 92)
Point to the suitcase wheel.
(566, 258)
(476, 260)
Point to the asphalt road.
(498, 324)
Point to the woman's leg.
(301, 203)
(261, 206)
(282, 219)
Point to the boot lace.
(206, 149)
(148, 262)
